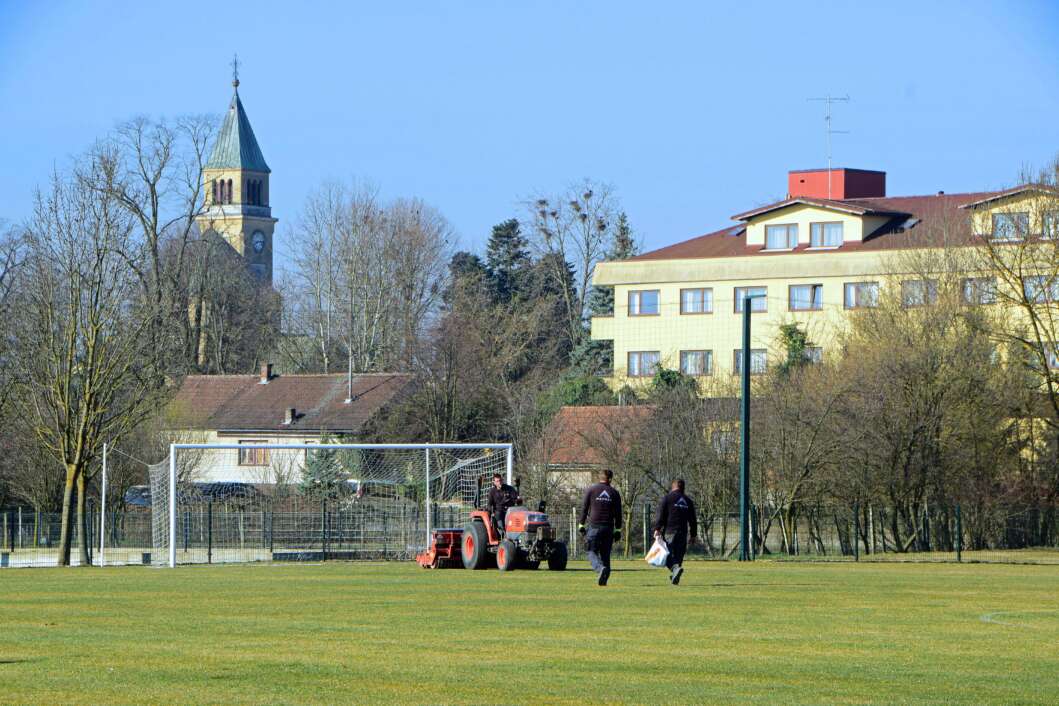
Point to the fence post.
(926, 529)
(4, 534)
(323, 529)
(19, 528)
(646, 512)
(856, 531)
(271, 530)
(573, 530)
(209, 532)
(959, 534)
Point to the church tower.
(235, 181)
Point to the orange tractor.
(526, 539)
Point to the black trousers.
(678, 546)
(598, 542)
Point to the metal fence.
(298, 529)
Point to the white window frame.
(790, 235)
(858, 287)
(758, 361)
(707, 362)
(705, 300)
(636, 295)
(978, 291)
(248, 456)
(816, 303)
(1050, 225)
(1047, 289)
(755, 308)
(1020, 229)
(926, 296)
(639, 356)
(819, 242)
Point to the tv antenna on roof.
(827, 101)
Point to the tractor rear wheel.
(557, 559)
(473, 546)
(506, 555)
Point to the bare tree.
(153, 170)
(86, 355)
(575, 227)
(367, 279)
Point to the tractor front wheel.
(473, 546)
(557, 559)
(506, 555)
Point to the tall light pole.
(744, 446)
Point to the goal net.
(213, 503)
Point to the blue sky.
(692, 111)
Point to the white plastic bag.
(658, 554)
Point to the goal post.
(259, 501)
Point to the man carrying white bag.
(676, 515)
(658, 554)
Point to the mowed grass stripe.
(356, 632)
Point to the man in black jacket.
(676, 513)
(601, 508)
(501, 497)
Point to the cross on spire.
(235, 71)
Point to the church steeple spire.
(235, 72)
(236, 146)
(236, 184)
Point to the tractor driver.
(501, 497)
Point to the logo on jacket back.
(682, 503)
(604, 496)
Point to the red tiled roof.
(578, 435)
(243, 403)
(914, 221)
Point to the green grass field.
(367, 633)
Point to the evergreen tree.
(465, 270)
(507, 259)
(323, 475)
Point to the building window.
(643, 302)
(861, 294)
(213, 185)
(813, 354)
(696, 301)
(251, 456)
(758, 302)
(1050, 225)
(979, 290)
(228, 193)
(806, 297)
(825, 235)
(783, 237)
(919, 292)
(1010, 226)
(643, 364)
(1041, 289)
(724, 442)
(758, 361)
(696, 363)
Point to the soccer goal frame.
(175, 448)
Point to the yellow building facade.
(807, 260)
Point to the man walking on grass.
(676, 513)
(601, 507)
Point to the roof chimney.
(266, 373)
(290, 415)
(836, 184)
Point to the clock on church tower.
(236, 185)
